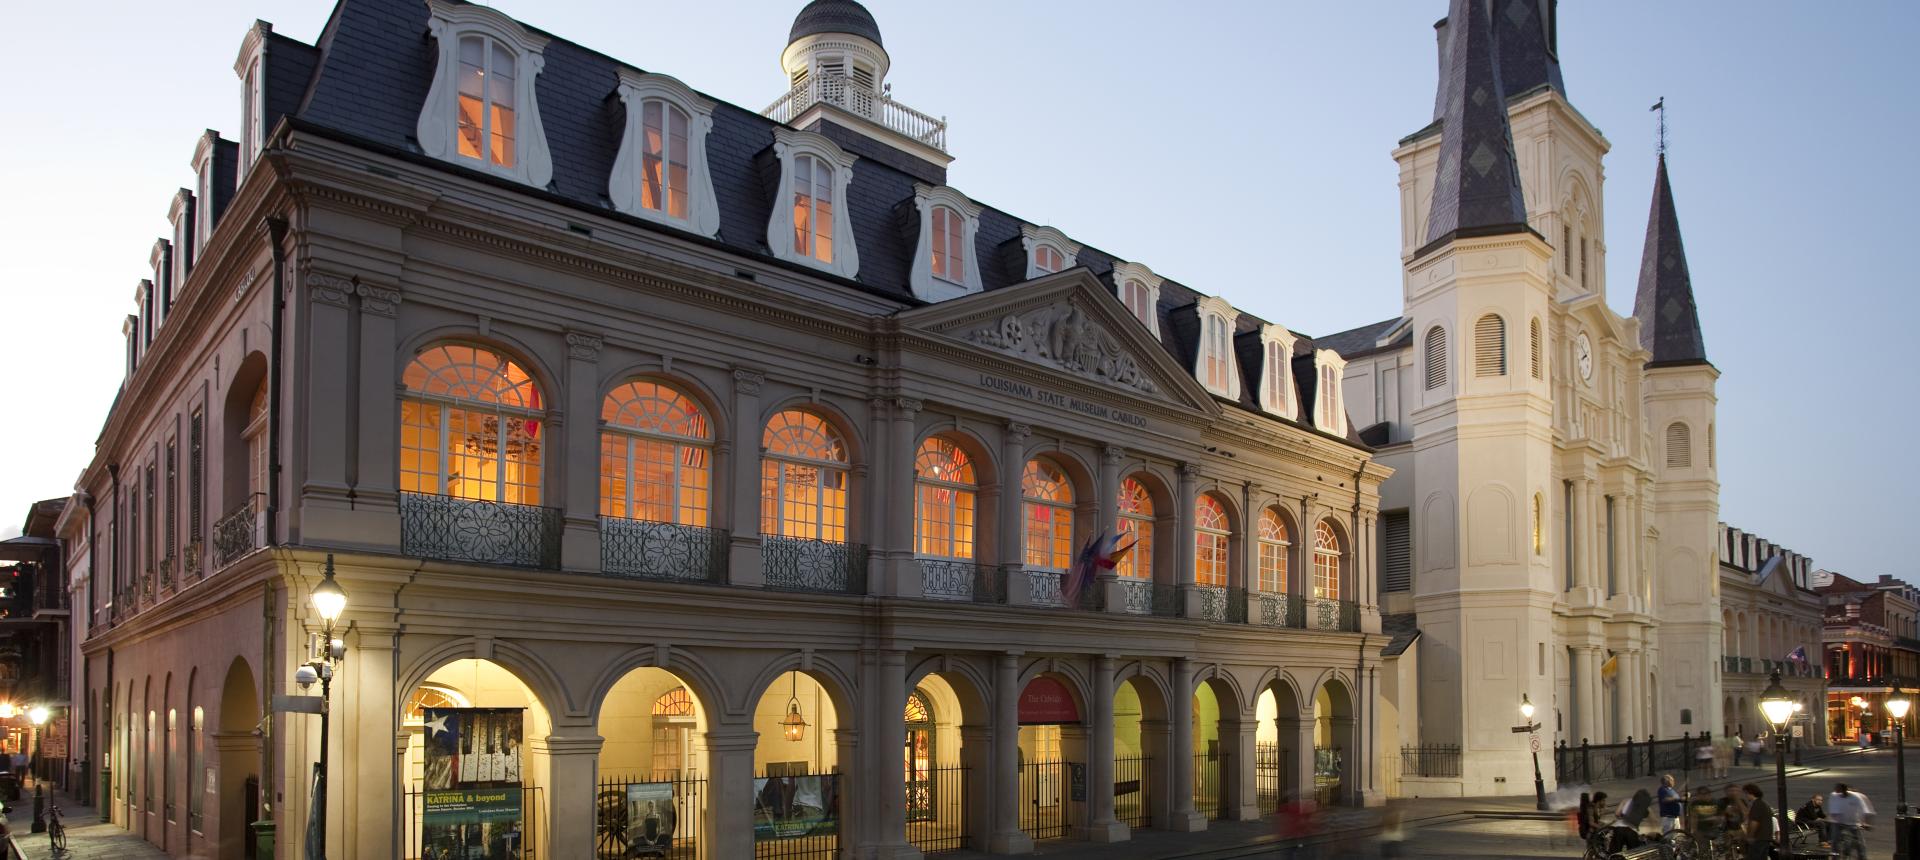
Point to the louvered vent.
(1533, 344)
(1679, 446)
(1436, 358)
(1490, 346)
(1396, 554)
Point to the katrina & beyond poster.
(791, 806)
(471, 808)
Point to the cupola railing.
(862, 101)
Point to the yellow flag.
(1610, 668)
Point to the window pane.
(956, 252)
(651, 155)
(472, 108)
(677, 160)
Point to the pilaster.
(744, 562)
(904, 578)
(580, 481)
(1010, 523)
(727, 827)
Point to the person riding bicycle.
(1706, 817)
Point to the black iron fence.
(1132, 780)
(1430, 760)
(797, 817)
(1590, 763)
(937, 809)
(443, 527)
(794, 564)
(1043, 798)
(1328, 762)
(455, 834)
(1210, 785)
(650, 550)
(1270, 766)
(648, 815)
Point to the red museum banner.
(1046, 702)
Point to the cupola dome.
(834, 16)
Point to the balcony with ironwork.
(471, 530)
(237, 533)
(1146, 597)
(862, 101)
(961, 580)
(1275, 609)
(798, 564)
(641, 549)
(1328, 614)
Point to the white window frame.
(203, 158)
(1329, 407)
(1124, 272)
(1217, 322)
(1032, 239)
(159, 260)
(1288, 405)
(788, 145)
(251, 68)
(623, 187)
(927, 285)
(438, 129)
(180, 214)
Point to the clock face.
(1583, 356)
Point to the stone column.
(745, 565)
(1102, 826)
(377, 472)
(365, 705)
(1107, 519)
(1250, 543)
(573, 752)
(858, 805)
(1576, 553)
(886, 780)
(580, 479)
(1011, 518)
(1007, 837)
(726, 825)
(1182, 816)
(897, 476)
(1182, 573)
(1243, 790)
(1303, 762)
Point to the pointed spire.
(1526, 31)
(1477, 189)
(1669, 320)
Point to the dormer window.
(1276, 377)
(481, 110)
(1330, 413)
(661, 171)
(807, 226)
(1214, 364)
(944, 266)
(203, 190)
(1048, 250)
(250, 66)
(181, 215)
(1139, 290)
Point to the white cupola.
(833, 44)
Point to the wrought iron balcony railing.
(451, 529)
(1327, 614)
(795, 564)
(236, 534)
(1145, 597)
(955, 579)
(860, 100)
(653, 550)
(1213, 602)
(190, 562)
(1277, 609)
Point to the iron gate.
(657, 815)
(1043, 799)
(937, 809)
(1132, 780)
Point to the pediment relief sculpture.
(1064, 336)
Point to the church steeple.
(1477, 189)
(1669, 320)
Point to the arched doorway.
(1277, 746)
(1215, 730)
(653, 769)
(947, 757)
(467, 725)
(1333, 742)
(237, 745)
(1139, 749)
(798, 780)
(1052, 745)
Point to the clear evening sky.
(1240, 148)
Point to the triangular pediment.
(1070, 323)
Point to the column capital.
(1112, 455)
(584, 346)
(1017, 431)
(747, 381)
(1189, 471)
(908, 406)
(378, 301)
(328, 289)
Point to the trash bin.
(263, 840)
(9, 786)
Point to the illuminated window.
(673, 703)
(1275, 541)
(482, 109)
(664, 176)
(1048, 250)
(1135, 524)
(487, 71)
(1326, 562)
(429, 696)
(1139, 300)
(803, 478)
(656, 459)
(255, 435)
(470, 427)
(1210, 533)
(1047, 259)
(1047, 501)
(949, 255)
(660, 172)
(813, 208)
(943, 491)
(1215, 340)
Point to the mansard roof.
(1669, 319)
(367, 76)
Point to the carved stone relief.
(1063, 336)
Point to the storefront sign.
(1076, 781)
(1057, 400)
(1047, 702)
(53, 739)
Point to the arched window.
(673, 717)
(949, 256)
(1679, 446)
(470, 427)
(1326, 562)
(1215, 347)
(656, 462)
(255, 435)
(943, 494)
(1047, 259)
(1135, 526)
(1533, 349)
(920, 756)
(1330, 412)
(1210, 533)
(1047, 515)
(1275, 376)
(803, 478)
(673, 703)
(1138, 299)
(1275, 541)
(664, 177)
(1436, 358)
(487, 70)
(813, 208)
(1490, 346)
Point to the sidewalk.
(87, 837)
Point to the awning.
(26, 548)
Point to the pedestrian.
(1703, 759)
(1591, 811)
(1668, 799)
(1739, 746)
(1757, 750)
(1733, 815)
(1759, 823)
(1848, 812)
(1705, 816)
(1393, 835)
(1812, 815)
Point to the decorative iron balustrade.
(234, 534)
(166, 574)
(954, 579)
(146, 587)
(652, 550)
(1138, 596)
(190, 562)
(1327, 614)
(794, 564)
(1430, 760)
(451, 529)
(1043, 589)
(1280, 609)
(1213, 602)
(844, 93)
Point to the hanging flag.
(1610, 668)
(1797, 655)
(1098, 555)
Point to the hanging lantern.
(793, 725)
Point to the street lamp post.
(1533, 742)
(38, 715)
(329, 601)
(1776, 704)
(1897, 706)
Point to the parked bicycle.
(56, 830)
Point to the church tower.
(1678, 389)
(1479, 289)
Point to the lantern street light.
(38, 715)
(793, 725)
(1897, 706)
(1776, 704)
(1532, 729)
(329, 601)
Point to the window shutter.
(1396, 553)
(1490, 346)
(1679, 446)
(1436, 358)
(1533, 344)
(1566, 248)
